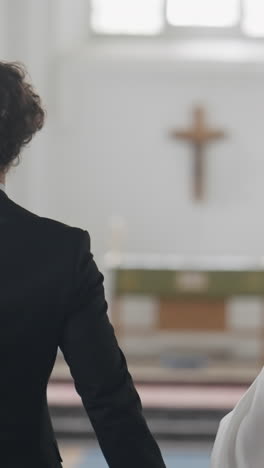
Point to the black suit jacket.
(52, 295)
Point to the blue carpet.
(173, 459)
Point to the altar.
(201, 318)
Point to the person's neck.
(2, 178)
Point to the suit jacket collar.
(3, 194)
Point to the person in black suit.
(52, 295)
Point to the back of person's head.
(21, 113)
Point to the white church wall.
(116, 114)
(3, 28)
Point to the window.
(127, 16)
(244, 18)
(253, 20)
(213, 13)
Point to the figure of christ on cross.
(199, 135)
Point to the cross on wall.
(199, 136)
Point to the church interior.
(153, 143)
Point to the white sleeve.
(239, 442)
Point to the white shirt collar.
(2, 187)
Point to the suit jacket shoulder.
(51, 232)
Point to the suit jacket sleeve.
(100, 372)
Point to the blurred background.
(154, 144)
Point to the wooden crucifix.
(199, 135)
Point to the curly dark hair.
(21, 112)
